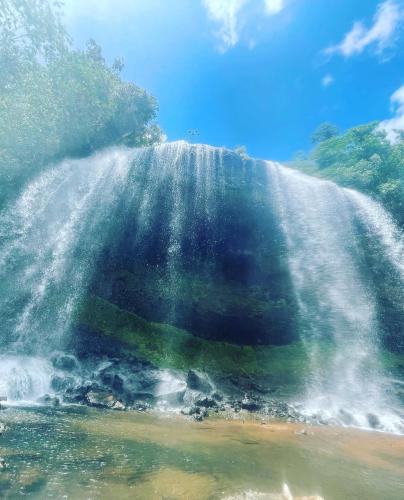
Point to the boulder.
(62, 384)
(373, 421)
(251, 403)
(206, 402)
(198, 381)
(65, 362)
(101, 399)
(118, 405)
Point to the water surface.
(82, 453)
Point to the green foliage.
(324, 132)
(56, 101)
(362, 158)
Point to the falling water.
(165, 210)
(54, 233)
(336, 296)
(49, 239)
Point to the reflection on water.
(89, 454)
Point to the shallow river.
(81, 453)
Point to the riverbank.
(79, 452)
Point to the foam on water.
(24, 379)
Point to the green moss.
(169, 347)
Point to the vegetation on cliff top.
(361, 158)
(58, 101)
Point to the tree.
(56, 101)
(362, 158)
(324, 132)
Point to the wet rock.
(198, 381)
(101, 399)
(119, 406)
(192, 410)
(112, 380)
(65, 362)
(373, 421)
(195, 410)
(250, 403)
(175, 398)
(144, 398)
(199, 414)
(217, 396)
(346, 417)
(62, 384)
(78, 394)
(206, 403)
(186, 411)
(47, 399)
(142, 406)
(190, 397)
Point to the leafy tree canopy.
(324, 132)
(362, 158)
(57, 101)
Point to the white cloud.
(226, 14)
(229, 16)
(274, 6)
(394, 125)
(379, 35)
(327, 80)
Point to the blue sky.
(259, 73)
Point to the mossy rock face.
(116, 332)
(166, 346)
(202, 250)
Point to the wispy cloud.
(379, 36)
(327, 80)
(274, 6)
(229, 17)
(394, 125)
(226, 14)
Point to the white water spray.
(336, 300)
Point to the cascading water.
(336, 297)
(50, 237)
(55, 231)
(189, 217)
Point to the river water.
(82, 453)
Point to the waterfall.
(50, 237)
(192, 219)
(336, 296)
(53, 234)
